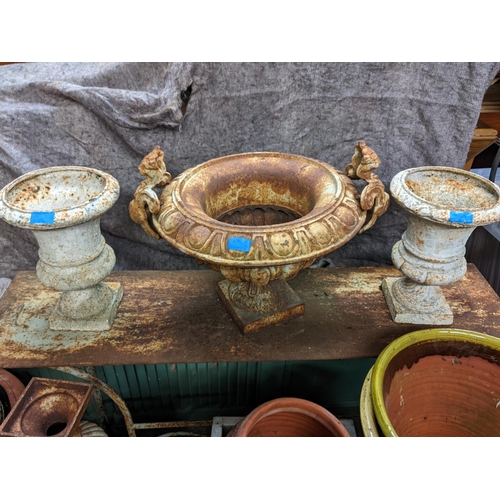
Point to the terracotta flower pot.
(439, 382)
(290, 417)
(13, 388)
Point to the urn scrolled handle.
(373, 199)
(145, 200)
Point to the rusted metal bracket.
(131, 426)
(113, 395)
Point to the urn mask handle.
(373, 198)
(145, 201)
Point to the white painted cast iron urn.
(259, 218)
(62, 206)
(444, 206)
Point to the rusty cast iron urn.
(444, 205)
(259, 218)
(62, 206)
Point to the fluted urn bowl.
(259, 218)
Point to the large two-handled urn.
(259, 218)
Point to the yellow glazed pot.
(437, 382)
(367, 417)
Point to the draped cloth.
(110, 115)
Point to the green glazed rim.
(405, 341)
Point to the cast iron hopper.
(48, 408)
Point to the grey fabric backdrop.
(109, 115)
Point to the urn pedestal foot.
(255, 313)
(410, 302)
(62, 318)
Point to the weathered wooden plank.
(177, 317)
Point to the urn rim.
(466, 213)
(20, 201)
(183, 220)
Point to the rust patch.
(451, 190)
(353, 321)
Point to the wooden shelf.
(484, 136)
(491, 120)
(491, 99)
(176, 317)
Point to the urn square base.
(248, 321)
(414, 312)
(99, 322)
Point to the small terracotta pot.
(439, 382)
(12, 385)
(289, 417)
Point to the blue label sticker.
(42, 218)
(241, 244)
(463, 217)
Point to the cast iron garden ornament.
(62, 206)
(444, 206)
(259, 218)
